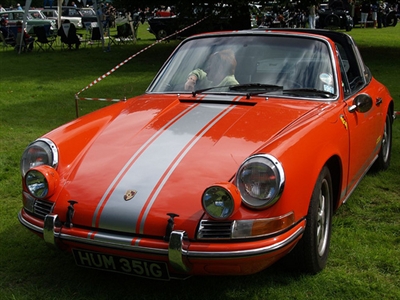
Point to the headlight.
(260, 180)
(220, 201)
(41, 181)
(40, 152)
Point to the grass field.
(37, 94)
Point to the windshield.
(215, 64)
(36, 15)
(88, 12)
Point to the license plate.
(120, 264)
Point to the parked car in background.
(335, 15)
(52, 14)
(237, 155)
(37, 14)
(13, 16)
(88, 15)
(210, 18)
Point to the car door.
(362, 121)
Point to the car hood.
(129, 165)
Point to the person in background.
(381, 14)
(219, 72)
(27, 38)
(2, 8)
(19, 7)
(4, 29)
(311, 15)
(351, 8)
(7, 33)
(365, 8)
(374, 13)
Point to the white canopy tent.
(26, 10)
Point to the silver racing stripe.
(151, 166)
(125, 168)
(176, 162)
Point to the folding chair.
(12, 31)
(20, 45)
(95, 36)
(6, 42)
(68, 35)
(124, 34)
(44, 43)
(119, 37)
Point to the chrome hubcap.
(323, 218)
(385, 141)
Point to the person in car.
(219, 72)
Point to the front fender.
(303, 152)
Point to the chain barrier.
(77, 98)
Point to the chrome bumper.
(178, 248)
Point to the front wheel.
(161, 34)
(332, 21)
(349, 25)
(311, 253)
(391, 19)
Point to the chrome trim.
(251, 252)
(177, 251)
(213, 230)
(281, 183)
(53, 149)
(29, 225)
(42, 208)
(49, 235)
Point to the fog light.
(221, 200)
(41, 181)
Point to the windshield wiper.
(194, 93)
(249, 88)
(309, 92)
(256, 88)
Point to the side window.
(350, 71)
(344, 67)
(73, 13)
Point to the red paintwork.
(304, 135)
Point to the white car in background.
(36, 19)
(52, 14)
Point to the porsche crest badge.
(129, 195)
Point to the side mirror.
(362, 103)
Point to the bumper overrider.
(181, 256)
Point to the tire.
(349, 25)
(391, 19)
(385, 153)
(332, 21)
(311, 253)
(161, 34)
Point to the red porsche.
(238, 154)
